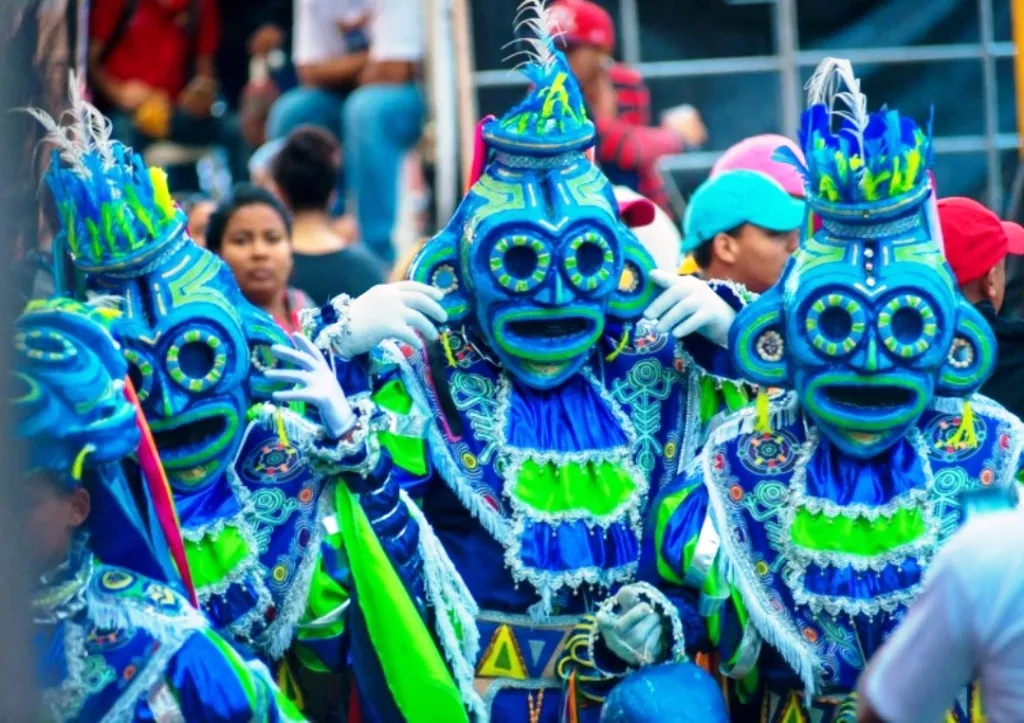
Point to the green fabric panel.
(210, 561)
(817, 531)
(242, 672)
(710, 399)
(409, 453)
(393, 397)
(666, 508)
(598, 488)
(415, 670)
(735, 396)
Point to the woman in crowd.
(304, 172)
(251, 230)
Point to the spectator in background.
(628, 147)
(255, 29)
(742, 226)
(384, 118)
(197, 209)
(251, 231)
(329, 51)
(757, 154)
(303, 171)
(976, 247)
(151, 65)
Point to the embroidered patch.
(771, 453)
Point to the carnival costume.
(536, 427)
(809, 522)
(115, 638)
(287, 513)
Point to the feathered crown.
(115, 213)
(551, 119)
(873, 164)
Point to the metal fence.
(789, 64)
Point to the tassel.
(763, 423)
(572, 714)
(965, 437)
(281, 432)
(79, 464)
(620, 347)
(446, 344)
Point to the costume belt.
(520, 652)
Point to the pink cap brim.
(1015, 237)
(637, 212)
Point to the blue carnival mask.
(536, 257)
(195, 347)
(866, 323)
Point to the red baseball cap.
(639, 212)
(579, 22)
(974, 238)
(1014, 237)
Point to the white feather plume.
(535, 35)
(79, 130)
(826, 87)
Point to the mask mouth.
(879, 399)
(558, 328)
(189, 437)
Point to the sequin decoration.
(770, 346)
(589, 261)
(961, 354)
(272, 463)
(445, 278)
(907, 326)
(196, 360)
(939, 433)
(520, 263)
(771, 453)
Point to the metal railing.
(789, 61)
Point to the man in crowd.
(742, 226)
(151, 66)
(628, 147)
(977, 246)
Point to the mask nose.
(555, 292)
(172, 400)
(872, 359)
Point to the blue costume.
(115, 639)
(808, 523)
(537, 428)
(272, 509)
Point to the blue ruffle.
(574, 546)
(867, 585)
(550, 420)
(874, 482)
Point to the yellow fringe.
(763, 423)
(446, 344)
(281, 432)
(79, 464)
(620, 347)
(289, 685)
(965, 436)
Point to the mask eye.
(907, 326)
(835, 324)
(520, 263)
(140, 371)
(590, 261)
(196, 360)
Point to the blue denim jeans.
(305, 105)
(381, 124)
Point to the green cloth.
(419, 680)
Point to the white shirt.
(318, 36)
(967, 625)
(398, 31)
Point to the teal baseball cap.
(734, 198)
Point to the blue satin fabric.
(865, 585)
(206, 506)
(873, 482)
(549, 420)
(573, 546)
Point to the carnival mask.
(536, 257)
(866, 323)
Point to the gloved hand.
(687, 305)
(635, 632)
(315, 384)
(392, 311)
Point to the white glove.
(636, 633)
(392, 311)
(315, 384)
(687, 305)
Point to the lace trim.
(330, 337)
(910, 500)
